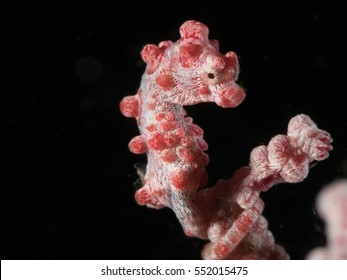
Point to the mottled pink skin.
(190, 71)
(332, 207)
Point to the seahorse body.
(186, 72)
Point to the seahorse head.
(192, 70)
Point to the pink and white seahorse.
(190, 71)
(186, 72)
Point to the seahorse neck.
(159, 111)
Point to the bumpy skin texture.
(190, 71)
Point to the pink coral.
(332, 207)
(190, 71)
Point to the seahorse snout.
(230, 97)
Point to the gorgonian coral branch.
(332, 207)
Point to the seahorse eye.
(210, 75)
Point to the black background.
(67, 189)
